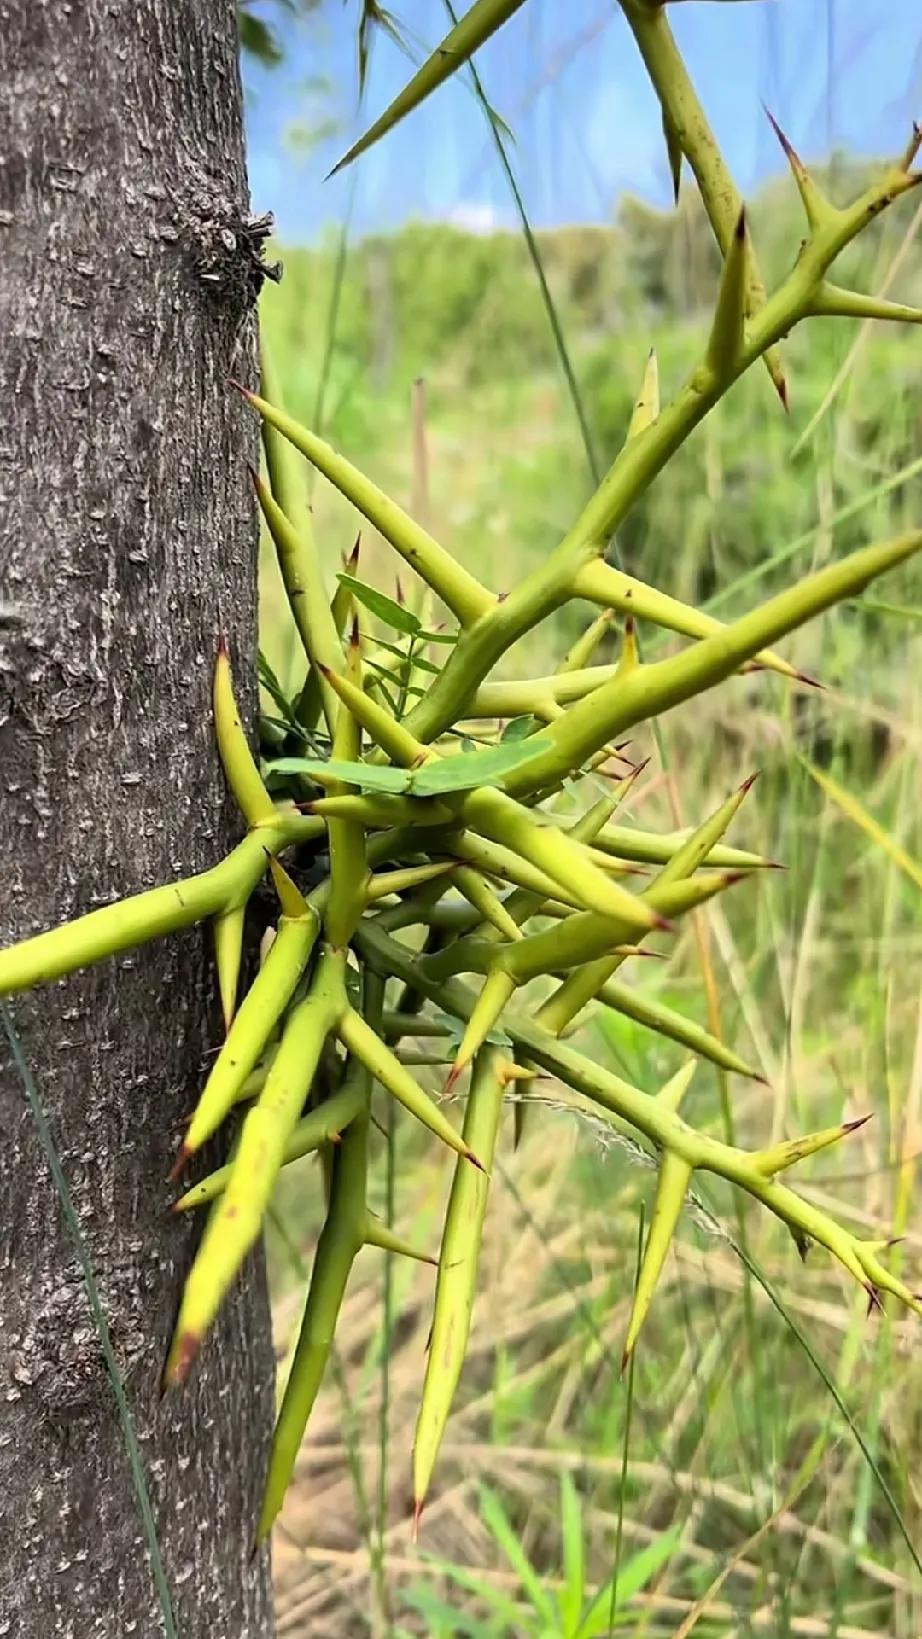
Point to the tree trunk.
(128, 272)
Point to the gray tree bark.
(127, 543)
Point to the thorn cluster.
(428, 789)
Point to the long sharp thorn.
(675, 156)
(912, 148)
(817, 207)
(646, 407)
(834, 302)
(672, 1188)
(725, 345)
(672, 1094)
(781, 1156)
(228, 949)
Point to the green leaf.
(470, 769)
(378, 603)
(386, 682)
(401, 654)
(276, 693)
(464, 772)
(443, 1620)
(632, 1579)
(573, 1592)
(368, 776)
(497, 1523)
(275, 728)
(519, 728)
(438, 637)
(497, 1601)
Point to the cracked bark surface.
(127, 542)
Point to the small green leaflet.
(519, 728)
(464, 772)
(418, 661)
(470, 769)
(392, 613)
(336, 770)
(378, 603)
(276, 693)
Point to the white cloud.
(474, 216)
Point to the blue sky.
(566, 76)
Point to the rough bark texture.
(126, 543)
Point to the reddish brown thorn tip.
(915, 143)
(324, 671)
(222, 646)
(852, 1126)
(353, 557)
(741, 223)
(733, 877)
(178, 1164)
(625, 1359)
(748, 784)
(470, 1156)
(873, 1300)
(239, 388)
(399, 590)
(356, 634)
(782, 390)
(451, 1080)
(189, 1346)
(786, 145)
(417, 1516)
(662, 924)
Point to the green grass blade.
(632, 1579)
(574, 1563)
(859, 816)
(498, 1524)
(831, 1386)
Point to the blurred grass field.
(723, 1483)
